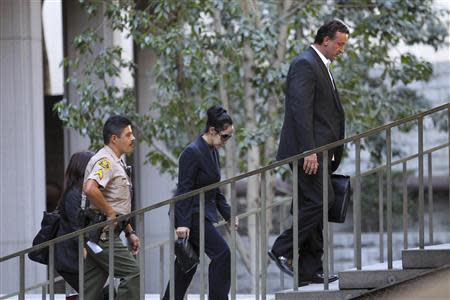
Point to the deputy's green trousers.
(97, 270)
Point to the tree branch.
(156, 144)
(288, 14)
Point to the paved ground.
(147, 297)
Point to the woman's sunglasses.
(225, 137)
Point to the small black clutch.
(342, 191)
(187, 257)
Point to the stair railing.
(261, 213)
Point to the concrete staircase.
(353, 283)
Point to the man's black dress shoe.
(319, 278)
(282, 263)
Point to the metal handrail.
(33, 287)
(261, 171)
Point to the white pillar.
(152, 187)
(22, 156)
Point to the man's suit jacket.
(199, 166)
(313, 112)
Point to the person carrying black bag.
(313, 117)
(66, 252)
(65, 219)
(199, 166)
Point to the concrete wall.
(22, 161)
(437, 92)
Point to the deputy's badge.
(99, 173)
(104, 163)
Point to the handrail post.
(202, 246)
(381, 214)
(430, 198)
(22, 277)
(161, 269)
(51, 269)
(357, 204)
(141, 231)
(44, 292)
(389, 196)
(331, 247)
(263, 225)
(172, 251)
(111, 261)
(405, 206)
(283, 217)
(257, 256)
(233, 204)
(448, 132)
(295, 222)
(421, 200)
(81, 266)
(325, 219)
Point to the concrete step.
(375, 278)
(316, 291)
(318, 295)
(431, 257)
(376, 275)
(432, 284)
(353, 283)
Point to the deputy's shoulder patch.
(99, 173)
(104, 163)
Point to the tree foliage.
(207, 50)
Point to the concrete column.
(75, 22)
(151, 185)
(22, 158)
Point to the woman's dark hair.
(218, 118)
(75, 170)
(329, 29)
(75, 173)
(114, 126)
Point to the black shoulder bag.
(48, 231)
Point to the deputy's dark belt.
(118, 228)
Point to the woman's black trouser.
(219, 268)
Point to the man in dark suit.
(313, 117)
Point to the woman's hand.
(236, 223)
(182, 232)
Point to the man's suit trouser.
(216, 248)
(310, 221)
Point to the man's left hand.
(310, 164)
(135, 243)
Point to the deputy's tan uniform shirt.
(108, 171)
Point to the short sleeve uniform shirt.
(108, 171)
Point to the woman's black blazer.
(199, 166)
(66, 252)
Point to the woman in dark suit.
(66, 252)
(199, 166)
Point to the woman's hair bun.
(218, 117)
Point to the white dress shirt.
(326, 62)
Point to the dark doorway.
(54, 153)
